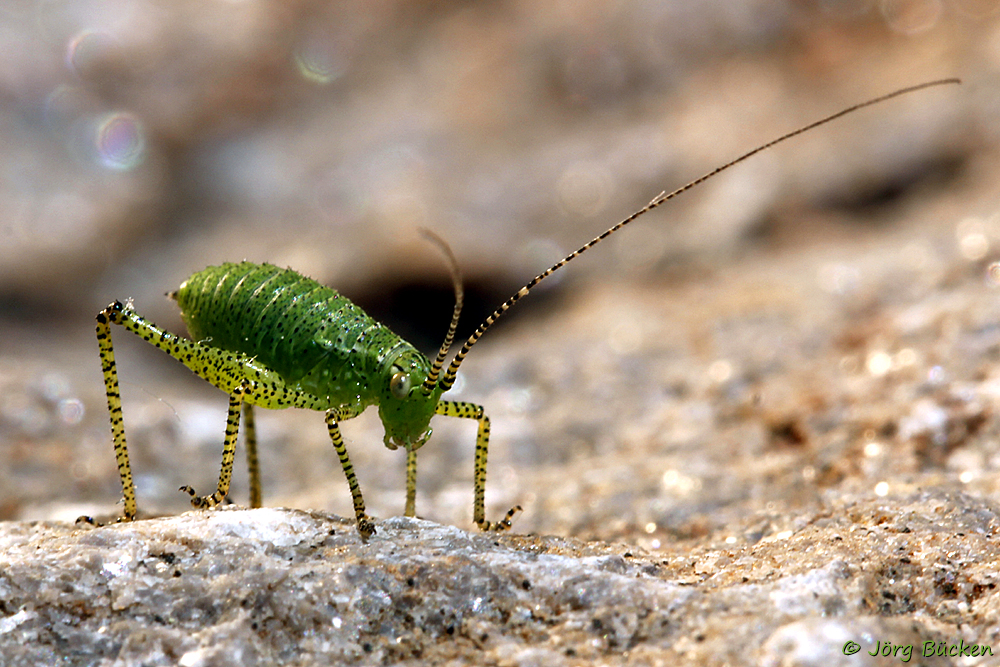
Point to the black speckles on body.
(314, 338)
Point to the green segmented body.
(273, 338)
(317, 340)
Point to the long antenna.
(449, 377)
(456, 280)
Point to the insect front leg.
(228, 454)
(464, 410)
(365, 525)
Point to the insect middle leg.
(464, 410)
(253, 463)
(228, 454)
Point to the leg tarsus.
(202, 502)
(85, 519)
(504, 524)
(500, 526)
(366, 527)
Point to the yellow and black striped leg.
(220, 367)
(115, 410)
(253, 464)
(228, 454)
(365, 525)
(465, 410)
(411, 483)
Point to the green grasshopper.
(272, 338)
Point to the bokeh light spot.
(993, 274)
(316, 64)
(120, 141)
(89, 54)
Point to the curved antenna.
(449, 377)
(456, 280)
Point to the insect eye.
(399, 385)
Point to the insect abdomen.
(304, 331)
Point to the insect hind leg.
(464, 410)
(107, 352)
(219, 367)
(253, 463)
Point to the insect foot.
(366, 527)
(87, 520)
(202, 502)
(503, 524)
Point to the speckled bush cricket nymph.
(273, 338)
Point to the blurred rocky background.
(815, 328)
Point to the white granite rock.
(285, 587)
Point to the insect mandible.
(272, 338)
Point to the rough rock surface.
(757, 425)
(270, 586)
